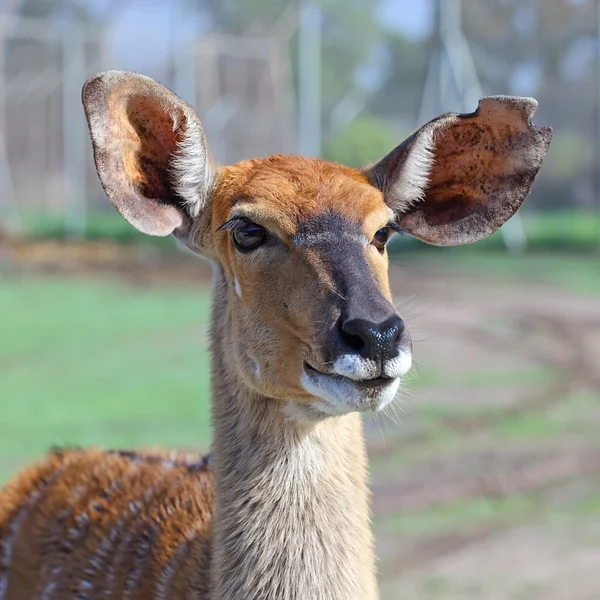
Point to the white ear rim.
(414, 174)
(191, 165)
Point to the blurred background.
(486, 474)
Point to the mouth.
(337, 395)
(376, 382)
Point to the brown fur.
(284, 513)
(94, 524)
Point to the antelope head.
(300, 243)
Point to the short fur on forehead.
(462, 176)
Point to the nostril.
(396, 328)
(388, 335)
(351, 336)
(376, 341)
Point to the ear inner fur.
(150, 151)
(461, 177)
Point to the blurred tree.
(363, 141)
(27, 51)
(532, 44)
(546, 49)
(404, 74)
(351, 37)
(54, 8)
(240, 16)
(37, 61)
(80, 10)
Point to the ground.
(486, 475)
(489, 486)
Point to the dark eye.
(380, 239)
(248, 237)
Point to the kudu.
(304, 338)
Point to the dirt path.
(488, 503)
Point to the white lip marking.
(405, 362)
(357, 368)
(238, 289)
(399, 366)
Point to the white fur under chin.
(339, 396)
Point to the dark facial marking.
(342, 248)
(327, 229)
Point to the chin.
(336, 395)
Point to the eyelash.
(395, 227)
(234, 224)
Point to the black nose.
(376, 341)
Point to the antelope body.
(304, 338)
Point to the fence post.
(597, 203)
(74, 129)
(184, 30)
(309, 79)
(7, 187)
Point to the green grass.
(105, 225)
(484, 378)
(561, 230)
(578, 273)
(85, 363)
(477, 510)
(590, 506)
(472, 511)
(529, 426)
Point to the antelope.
(304, 338)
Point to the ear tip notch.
(546, 133)
(525, 105)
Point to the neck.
(292, 503)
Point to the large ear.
(150, 151)
(460, 177)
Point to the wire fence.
(269, 91)
(46, 169)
